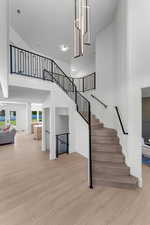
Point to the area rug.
(145, 160)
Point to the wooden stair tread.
(111, 164)
(103, 135)
(106, 146)
(97, 125)
(107, 153)
(102, 141)
(107, 129)
(118, 179)
(107, 157)
(101, 131)
(110, 170)
(106, 149)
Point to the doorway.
(62, 131)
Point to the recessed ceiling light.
(64, 48)
(18, 11)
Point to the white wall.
(128, 71)
(21, 122)
(120, 69)
(62, 122)
(18, 41)
(21, 119)
(63, 65)
(83, 66)
(122, 81)
(105, 76)
(36, 107)
(4, 50)
(81, 135)
(138, 18)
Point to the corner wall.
(120, 67)
(4, 50)
(83, 66)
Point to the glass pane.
(2, 117)
(34, 116)
(40, 116)
(13, 118)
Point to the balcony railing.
(85, 83)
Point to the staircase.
(108, 162)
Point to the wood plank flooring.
(37, 191)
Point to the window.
(2, 117)
(34, 116)
(40, 116)
(13, 118)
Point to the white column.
(72, 133)
(43, 132)
(4, 46)
(28, 117)
(7, 116)
(52, 134)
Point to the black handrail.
(117, 111)
(33, 65)
(98, 100)
(121, 124)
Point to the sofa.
(7, 137)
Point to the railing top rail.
(32, 53)
(63, 142)
(94, 73)
(59, 68)
(98, 100)
(83, 97)
(62, 76)
(62, 134)
(76, 78)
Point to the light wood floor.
(36, 191)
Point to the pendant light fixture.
(81, 27)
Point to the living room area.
(20, 118)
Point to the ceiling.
(47, 24)
(27, 94)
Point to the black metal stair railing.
(29, 64)
(85, 83)
(62, 144)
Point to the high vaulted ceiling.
(47, 24)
